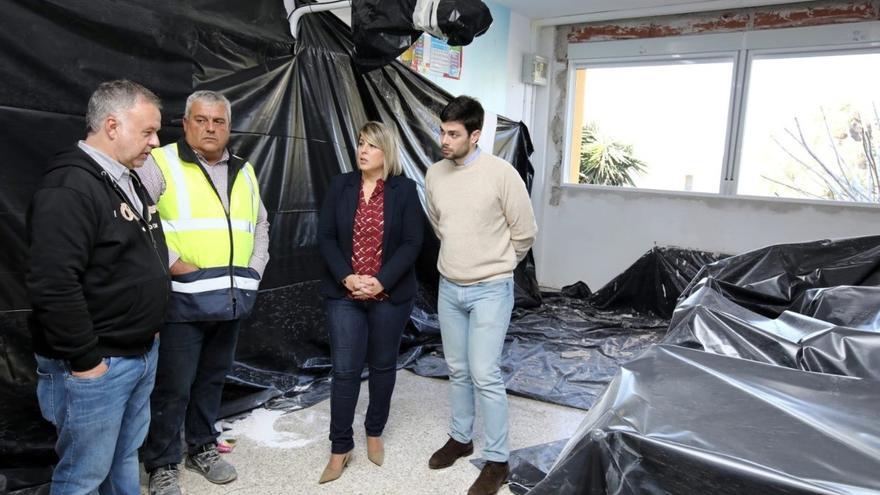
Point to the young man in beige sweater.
(480, 210)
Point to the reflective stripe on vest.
(213, 294)
(218, 283)
(206, 224)
(194, 219)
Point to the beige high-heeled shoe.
(331, 473)
(376, 455)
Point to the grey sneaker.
(163, 481)
(209, 464)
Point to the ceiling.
(548, 12)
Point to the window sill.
(728, 197)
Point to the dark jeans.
(194, 358)
(362, 332)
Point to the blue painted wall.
(484, 68)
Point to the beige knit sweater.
(483, 216)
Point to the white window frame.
(743, 47)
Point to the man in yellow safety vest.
(217, 234)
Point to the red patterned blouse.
(369, 223)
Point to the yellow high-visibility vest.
(193, 218)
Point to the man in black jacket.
(98, 284)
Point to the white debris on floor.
(260, 427)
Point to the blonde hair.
(382, 137)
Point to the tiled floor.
(279, 453)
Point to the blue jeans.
(360, 333)
(194, 359)
(473, 324)
(101, 422)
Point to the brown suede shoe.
(493, 475)
(449, 453)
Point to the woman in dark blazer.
(370, 234)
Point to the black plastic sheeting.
(771, 387)
(655, 281)
(383, 29)
(811, 306)
(284, 346)
(773, 279)
(568, 350)
(530, 465)
(565, 352)
(707, 321)
(296, 109)
(679, 420)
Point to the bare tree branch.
(843, 191)
(822, 177)
(823, 174)
(783, 184)
(873, 153)
(803, 142)
(840, 161)
(868, 150)
(847, 184)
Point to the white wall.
(539, 127)
(593, 234)
(519, 42)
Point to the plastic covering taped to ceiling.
(383, 29)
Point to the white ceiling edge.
(342, 9)
(656, 11)
(344, 14)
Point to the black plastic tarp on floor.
(678, 420)
(771, 387)
(567, 350)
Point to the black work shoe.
(449, 453)
(493, 475)
(164, 481)
(208, 463)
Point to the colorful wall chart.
(433, 57)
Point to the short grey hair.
(113, 98)
(209, 97)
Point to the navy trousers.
(194, 359)
(362, 333)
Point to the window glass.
(811, 128)
(653, 125)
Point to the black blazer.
(404, 223)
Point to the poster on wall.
(433, 57)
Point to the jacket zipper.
(228, 230)
(145, 225)
(145, 199)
